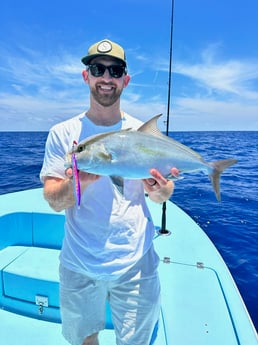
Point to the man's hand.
(158, 187)
(60, 192)
(85, 178)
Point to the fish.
(131, 154)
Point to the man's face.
(106, 90)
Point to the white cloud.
(41, 90)
(209, 114)
(224, 76)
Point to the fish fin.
(118, 182)
(174, 178)
(185, 148)
(218, 168)
(151, 127)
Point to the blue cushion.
(28, 272)
(33, 273)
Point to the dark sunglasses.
(97, 70)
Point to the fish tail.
(218, 168)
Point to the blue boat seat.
(29, 272)
(32, 229)
(35, 272)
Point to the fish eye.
(80, 148)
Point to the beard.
(106, 99)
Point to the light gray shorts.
(134, 300)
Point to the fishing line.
(163, 230)
(170, 65)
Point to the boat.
(200, 301)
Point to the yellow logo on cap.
(104, 47)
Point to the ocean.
(232, 224)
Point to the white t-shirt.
(110, 231)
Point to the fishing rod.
(163, 230)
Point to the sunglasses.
(97, 70)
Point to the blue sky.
(215, 60)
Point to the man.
(107, 252)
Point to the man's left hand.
(159, 188)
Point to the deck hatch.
(192, 291)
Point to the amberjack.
(131, 154)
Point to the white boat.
(200, 302)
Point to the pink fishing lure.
(76, 179)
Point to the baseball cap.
(105, 48)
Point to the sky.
(214, 83)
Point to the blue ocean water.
(232, 224)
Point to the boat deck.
(200, 302)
